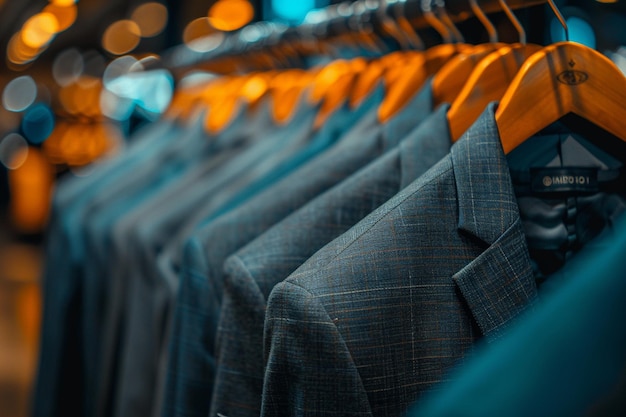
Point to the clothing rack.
(327, 23)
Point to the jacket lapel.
(498, 285)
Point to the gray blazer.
(254, 270)
(379, 314)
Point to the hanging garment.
(567, 358)
(379, 314)
(252, 272)
(61, 381)
(128, 257)
(189, 149)
(119, 368)
(254, 178)
(227, 233)
(451, 258)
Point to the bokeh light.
(151, 18)
(68, 67)
(95, 65)
(118, 67)
(121, 37)
(18, 52)
(196, 29)
(152, 91)
(31, 188)
(229, 15)
(115, 107)
(580, 31)
(19, 93)
(39, 29)
(62, 3)
(82, 98)
(76, 144)
(293, 11)
(13, 151)
(65, 15)
(38, 123)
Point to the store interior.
(66, 105)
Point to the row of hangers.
(535, 86)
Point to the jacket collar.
(425, 146)
(499, 283)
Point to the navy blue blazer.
(379, 314)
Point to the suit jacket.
(130, 378)
(567, 358)
(254, 270)
(379, 314)
(191, 368)
(192, 362)
(61, 372)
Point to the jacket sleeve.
(309, 369)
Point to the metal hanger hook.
(480, 14)
(434, 22)
(559, 16)
(445, 18)
(518, 26)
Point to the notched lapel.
(498, 285)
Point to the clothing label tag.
(558, 180)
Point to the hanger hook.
(480, 14)
(518, 26)
(559, 16)
(434, 21)
(390, 24)
(445, 18)
(399, 15)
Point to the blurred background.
(61, 110)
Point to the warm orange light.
(62, 3)
(121, 37)
(39, 29)
(20, 53)
(196, 29)
(65, 15)
(82, 98)
(254, 88)
(228, 15)
(151, 18)
(76, 144)
(327, 77)
(31, 186)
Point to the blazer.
(212, 244)
(133, 329)
(566, 358)
(253, 271)
(61, 371)
(379, 314)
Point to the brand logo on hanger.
(572, 77)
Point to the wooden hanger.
(449, 81)
(339, 91)
(562, 78)
(488, 82)
(492, 76)
(417, 68)
(223, 103)
(385, 68)
(285, 90)
(376, 70)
